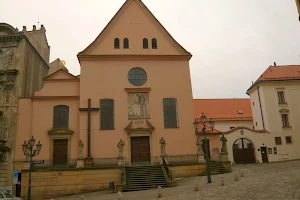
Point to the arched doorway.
(243, 151)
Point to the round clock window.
(137, 76)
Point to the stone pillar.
(121, 153)
(200, 153)
(80, 160)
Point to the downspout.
(262, 116)
(25, 84)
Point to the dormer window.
(154, 43)
(145, 43)
(117, 43)
(126, 43)
(240, 112)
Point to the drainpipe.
(262, 116)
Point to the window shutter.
(170, 113)
(107, 114)
(61, 117)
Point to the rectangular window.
(278, 141)
(61, 116)
(285, 120)
(288, 140)
(281, 97)
(170, 113)
(107, 114)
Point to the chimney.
(34, 28)
(43, 28)
(275, 64)
(17, 29)
(24, 29)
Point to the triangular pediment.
(139, 125)
(135, 22)
(59, 75)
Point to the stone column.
(121, 153)
(200, 153)
(80, 160)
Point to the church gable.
(134, 30)
(59, 75)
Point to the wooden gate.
(140, 150)
(243, 151)
(60, 152)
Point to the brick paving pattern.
(273, 181)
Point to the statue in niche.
(80, 149)
(224, 145)
(121, 148)
(199, 145)
(162, 146)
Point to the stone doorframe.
(60, 134)
(139, 134)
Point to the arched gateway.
(243, 151)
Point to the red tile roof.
(224, 109)
(279, 73)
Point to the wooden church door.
(140, 150)
(60, 152)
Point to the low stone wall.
(179, 171)
(48, 184)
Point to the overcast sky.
(232, 41)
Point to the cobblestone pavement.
(272, 181)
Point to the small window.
(253, 127)
(253, 103)
(1, 60)
(145, 43)
(61, 116)
(288, 140)
(285, 120)
(126, 43)
(232, 127)
(107, 114)
(281, 99)
(170, 113)
(117, 43)
(154, 43)
(255, 123)
(275, 150)
(278, 141)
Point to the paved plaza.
(272, 181)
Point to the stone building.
(24, 61)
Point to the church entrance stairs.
(216, 167)
(144, 177)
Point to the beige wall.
(225, 125)
(258, 140)
(35, 117)
(50, 184)
(110, 77)
(272, 115)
